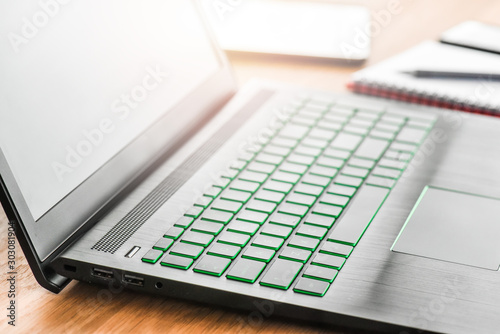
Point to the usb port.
(102, 273)
(133, 280)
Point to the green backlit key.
(333, 199)
(207, 227)
(195, 238)
(277, 186)
(321, 273)
(240, 185)
(341, 190)
(223, 250)
(184, 222)
(235, 195)
(319, 220)
(316, 180)
(266, 241)
(261, 206)
(348, 181)
(302, 242)
(323, 171)
(281, 274)
(258, 253)
(308, 189)
(217, 216)
(213, 192)
(235, 239)
(327, 260)
(285, 219)
(179, 262)
(295, 254)
(330, 162)
(312, 231)
(252, 177)
(293, 209)
(311, 287)
(243, 227)
(301, 199)
(212, 265)
(269, 196)
(300, 159)
(186, 250)
(252, 216)
(285, 177)
(163, 244)
(204, 201)
(355, 171)
(228, 206)
(336, 249)
(261, 168)
(194, 212)
(246, 270)
(174, 233)
(152, 256)
(293, 168)
(279, 231)
(327, 210)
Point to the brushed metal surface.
(376, 284)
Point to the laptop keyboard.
(289, 212)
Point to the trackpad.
(453, 226)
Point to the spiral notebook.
(478, 96)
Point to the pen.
(452, 75)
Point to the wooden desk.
(81, 308)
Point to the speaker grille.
(129, 224)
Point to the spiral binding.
(391, 91)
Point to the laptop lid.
(91, 93)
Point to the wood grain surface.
(82, 308)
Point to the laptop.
(129, 158)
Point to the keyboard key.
(163, 244)
(355, 171)
(412, 135)
(203, 201)
(301, 199)
(399, 156)
(278, 150)
(184, 222)
(285, 219)
(322, 134)
(269, 159)
(240, 185)
(336, 249)
(281, 274)
(246, 270)
(295, 254)
(319, 220)
(336, 153)
(174, 233)
(259, 254)
(187, 250)
(316, 180)
(327, 210)
(321, 273)
(217, 216)
(402, 147)
(195, 238)
(179, 262)
(311, 287)
(252, 217)
(330, 162)
(243, 227)
(372, 148)
(356, 129)
(269, 196)
(212, 265)
(359, 215)
(212, 192)
(308, 189)
(235, 195)
(261, 168)
(261, 206)
(221, 182)
(275, 230)
(332, 199)
(314, 142)
(266, 241)
(323, 171)
(228, 206)
(347, 141)
(285, 177)
(300, 159)
(293, 168)
(252, 176)
(229, 173)
(389, 163)
(341, 190)
(227, 251)
(293, 209)
(294, 131)
(302, 242)
(312, 231)
(361, 163)
(194, 212)
(237, 165)
(386, 172)
(152, 256)
(327, 125)
(330, 261)
(278, 186)
(236, 239)
(348, 181)
(380, 182)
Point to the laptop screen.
(81, 79)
